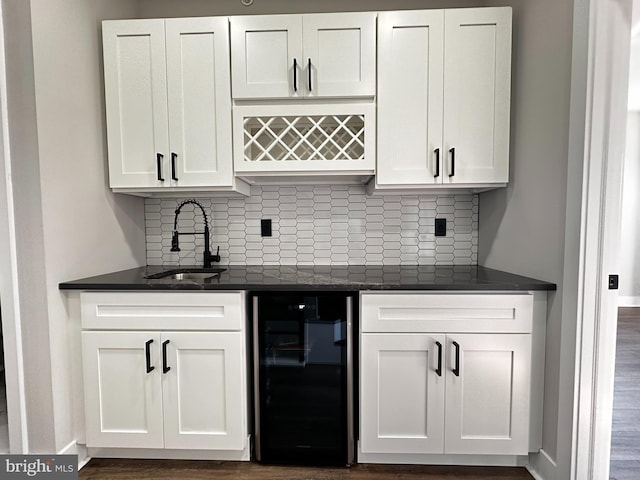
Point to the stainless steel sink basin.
(201, 275)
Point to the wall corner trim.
(74, 448)
(541, 466)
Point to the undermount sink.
(187, 274)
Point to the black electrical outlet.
(613, 282)
(265, 227)
(441, 227)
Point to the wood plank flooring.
(625, 434)
(103, 469)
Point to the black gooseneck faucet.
(175, 245)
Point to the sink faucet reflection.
(175, 244)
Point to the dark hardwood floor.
(102, 469)
(625, 435)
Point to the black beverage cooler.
(303, 378)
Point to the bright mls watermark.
(52, 467)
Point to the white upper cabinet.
(444, 98)
(410, 53)
(168, 102)
(136, 101)
(295, 56)
(477, 93)
(199, 85)
(266, 53)
(340, 55)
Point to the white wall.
(73, 226)
(634, 66)
(9, 288)
(190, 8)
(630, 217)
(630, 214)
(28, 218)
(87, 229)
(634, 73)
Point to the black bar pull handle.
(174, 160)
(452, 151)
(456, 369)
(309, 73)
(439, 367)
(165, 368)
(437, 152)
(147, 353)
(295, 75)
(159, 158)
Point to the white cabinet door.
(199, 95)
(266, 56)
(293, 56)
(401, 395)
(204, 398)
(477, 92)
(410, 60)
(444, 97)
(339, 54)
(123, 390)
(487, 403)
(136, 102)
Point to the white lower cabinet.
(402, 397)
(164, 389)
(444, 392)
(487, 394)
(202, 393)
(123, 403)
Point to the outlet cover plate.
(265, 227)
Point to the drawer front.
(455, 312)
(163, 310)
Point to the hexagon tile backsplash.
(319, 225)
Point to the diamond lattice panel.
(296, 138)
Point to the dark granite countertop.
(327, 277)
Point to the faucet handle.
(216, 257)
(175, 246)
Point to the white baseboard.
(628, 301)
(442, 459)
(75, 449)
(542, 467)
(243, 455)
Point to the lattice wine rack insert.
(315, 137)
